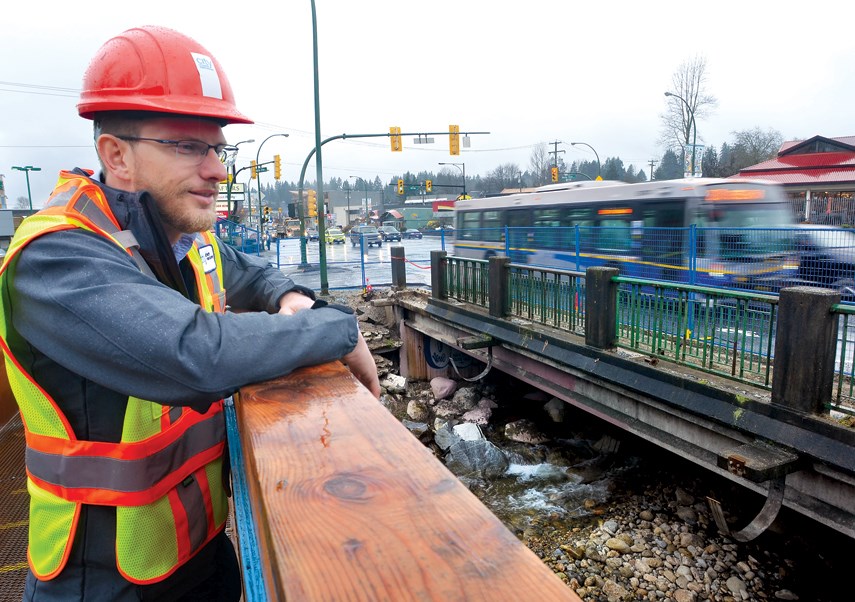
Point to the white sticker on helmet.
(208, 76)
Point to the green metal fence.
(552, 297)
(844, 393)
(728, 333)
(724, 332)
(467, 280)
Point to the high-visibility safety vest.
(164, 477)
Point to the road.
(347, 268)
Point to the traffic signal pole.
(318, 145)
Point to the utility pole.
(555, 152)
(652, 163)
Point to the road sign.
(237, 188)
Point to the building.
(818, 175)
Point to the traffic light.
(428, 185)
(313, 203)
(400, 187)
(266, 217)
(454, 140)
(554, 174)
(252, 166)
(277, 167)
(395, 139)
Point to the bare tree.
(22, 202)
(539, 163)
(689, 82)
(755, 146)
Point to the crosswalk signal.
(428, 185)
(554, 174)
(313, 203)
(454, 140)
(395, 139)
(400, 187)
(277, 167)
(252, 166)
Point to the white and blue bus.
(731, 233)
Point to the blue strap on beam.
(250, 559)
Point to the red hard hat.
(160, 70)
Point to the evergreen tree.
(711, 167)
(670, 167)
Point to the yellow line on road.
(13, 567)
(19, 523)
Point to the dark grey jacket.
(98, 330)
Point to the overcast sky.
(527, 72)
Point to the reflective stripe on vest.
(164, 478)
(122, 474)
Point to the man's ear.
(115, 156)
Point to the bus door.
(520, 236)
(664, 242)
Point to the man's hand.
(292, 302)
(361, 364)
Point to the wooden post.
(438, 271)
(499, 286)
(805, 348)
(399, 267)
(601, 307)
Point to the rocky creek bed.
(614, 517)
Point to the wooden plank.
(350, 506)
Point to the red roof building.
(818, 175)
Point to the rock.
(480, 458)
(478, 416)
(468, 432)
(683, 498)
(445, 437)
(442, 387)
(417, 410)
(555, 408)
(646, 515)
(618, 545)
(416, 428)
(687, 515)
(614, 590)
(736, 586)
(394, 383)
(683, 595)
(785, 594)
(610, 527)
(466, 398)
(448, 408)
(524, 431)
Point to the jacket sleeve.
(250, 283)
(83, 303)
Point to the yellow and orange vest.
(164, 477)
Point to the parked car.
(369, 235)
(334, 236)
(312, 235)
(827, 258)
(389, 233)
(411, 233)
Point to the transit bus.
(732, 233)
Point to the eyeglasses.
(187, 150)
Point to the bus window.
(548, 233)
(614, 235)
(493, 228)
(468, 225)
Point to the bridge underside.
(741, 436)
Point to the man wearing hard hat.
(119, 346)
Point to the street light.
(365, 188)
(599, 170)
(230, 162)
(694, 127)
(258, 178)
(27, 169)
(463, 167)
